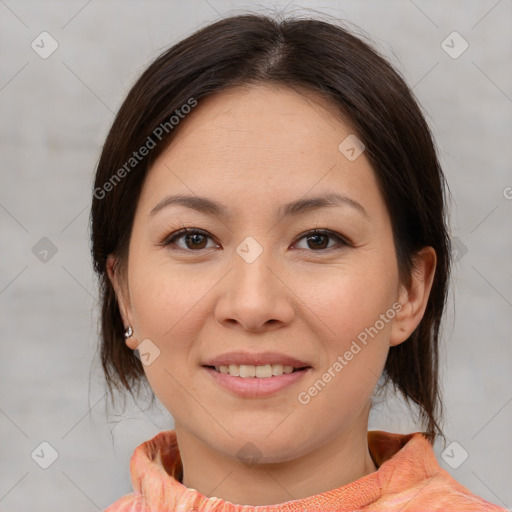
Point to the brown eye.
(194, 239)
(317, 240)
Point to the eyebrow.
(294, 208)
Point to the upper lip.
(259, 358)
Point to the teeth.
(249, 370)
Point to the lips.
(256, 359)
(256, 387)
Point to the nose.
(255, 296)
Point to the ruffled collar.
(156, 473)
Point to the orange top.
(408, 479)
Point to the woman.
(268, 225)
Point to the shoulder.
(441, 493)
(129, 503)
(456, 496)
(411, 478)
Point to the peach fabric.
(408, 479)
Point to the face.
(254, 278)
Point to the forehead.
(248, 144)
(264, 116)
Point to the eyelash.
(169, 240)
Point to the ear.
(122, 295)
(414, 299)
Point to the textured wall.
(55, 112)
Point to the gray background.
(55, 115)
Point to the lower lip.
(254, 387)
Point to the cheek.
(354, 310)
(168, 310)
(347, 300)
(355, 346)
(168, 302)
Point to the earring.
(128, 332)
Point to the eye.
(316, 235)
(194, 239)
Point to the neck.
(342, 460)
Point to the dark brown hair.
(362, 87)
